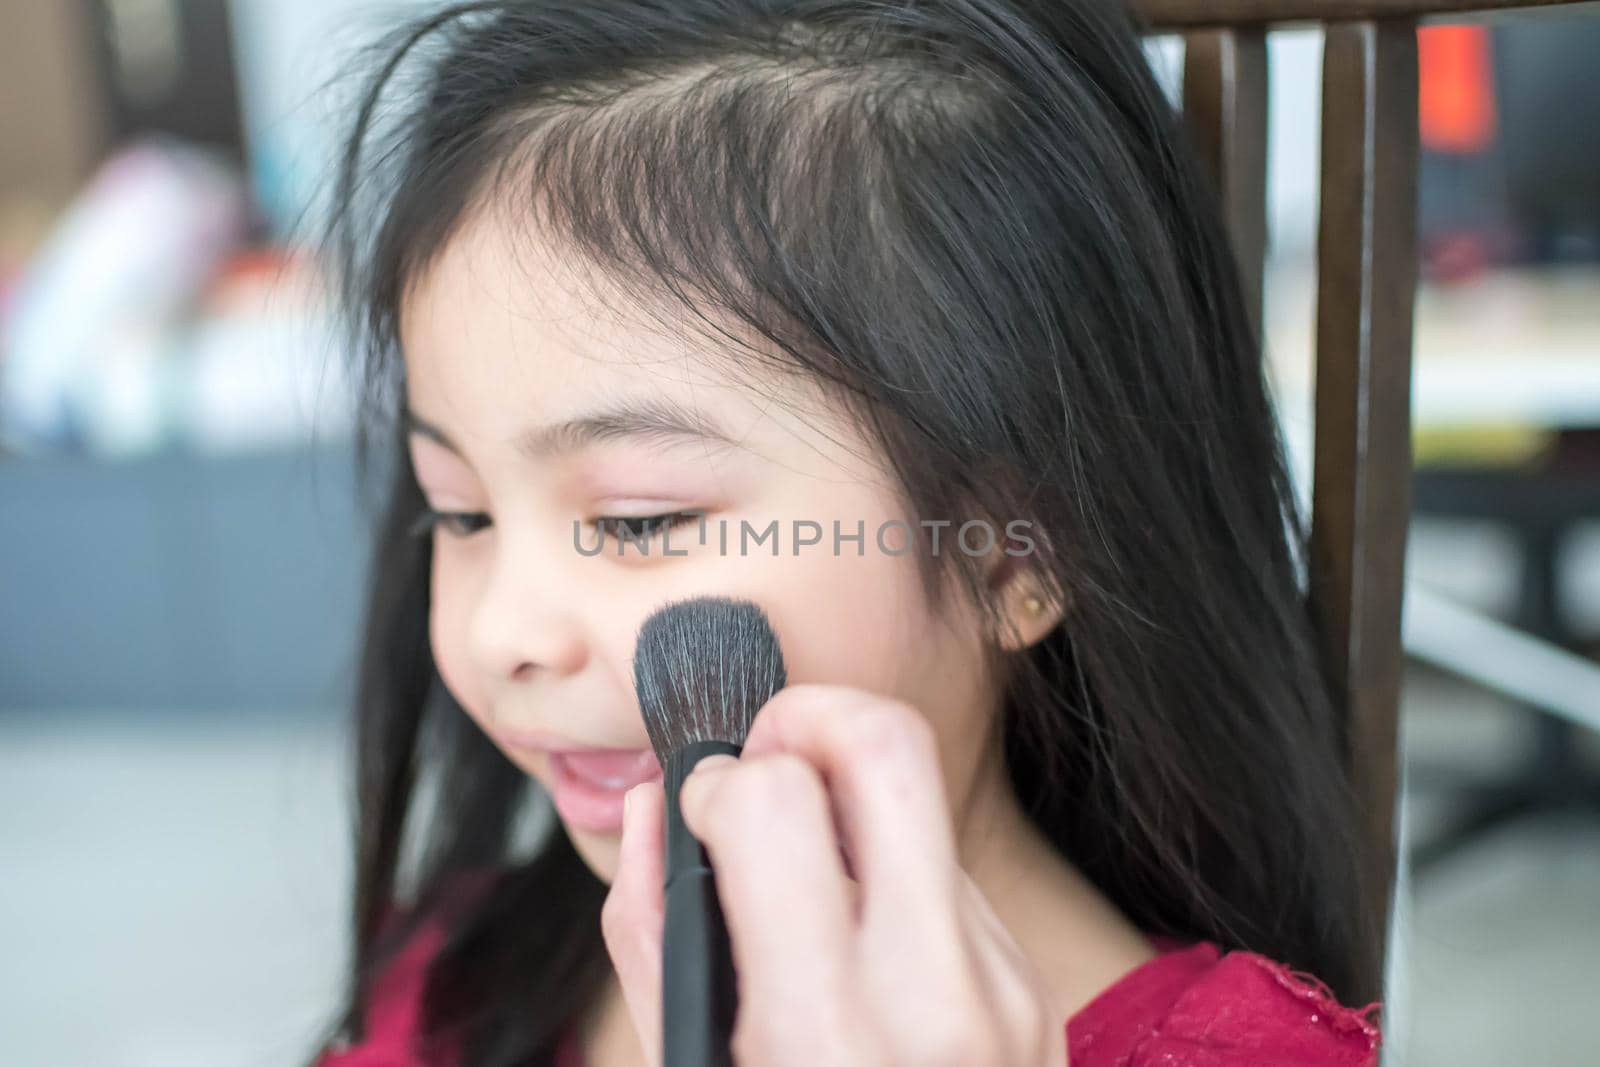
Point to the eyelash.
(654, 524)
(430, 518)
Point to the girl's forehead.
(501, 315)
(500, 330)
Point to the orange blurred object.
(1455, 89)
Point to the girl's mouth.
(588, 784)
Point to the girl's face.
(539, 408)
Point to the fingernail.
(721, 759)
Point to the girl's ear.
(1028, 611)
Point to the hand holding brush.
(910, 967)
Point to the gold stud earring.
(1032, 604)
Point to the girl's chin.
(598, 851)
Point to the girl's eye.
(458, 523)
(634, 528)
(641, 528)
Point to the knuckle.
(614, 919)
(769, 787)
(891, 730)
(796, 703)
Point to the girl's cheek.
(448, 626)
(847, 617)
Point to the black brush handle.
(698, 992)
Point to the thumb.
(631, 917)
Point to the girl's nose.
(525, 623)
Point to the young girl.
(914, 323)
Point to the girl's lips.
(588, 784)
(609, 768)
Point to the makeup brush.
(702, 668)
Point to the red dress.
(1190, 1006)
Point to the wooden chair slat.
(1179, 15)
(1225, 109)
(1361, 497)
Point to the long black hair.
(980, 221)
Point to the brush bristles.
(703, 668)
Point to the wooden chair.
(1366, 285)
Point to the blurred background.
(182, 539)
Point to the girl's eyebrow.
(649, 418)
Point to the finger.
(767, 826)
(852, 885)
(880, 763)
(631, 917)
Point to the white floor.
(171, 893)
(1497, 947)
